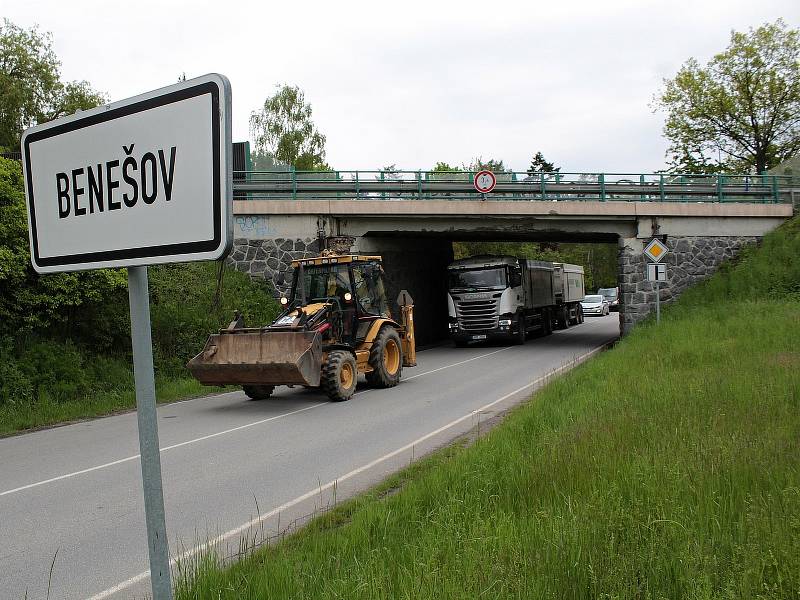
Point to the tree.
(283, 128)
(742, 110)
(62, 303)
(540, 165)
(31, 90)
(478, 164)
(443, 167)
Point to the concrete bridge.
(414, 232)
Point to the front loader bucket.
(258, 357)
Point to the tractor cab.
(350, 287)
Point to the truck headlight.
(504, 322)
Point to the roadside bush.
(184, 311)
(63, 303)
(15, 387)
(55, 370)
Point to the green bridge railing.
(516, 186)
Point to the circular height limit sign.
(485, 181)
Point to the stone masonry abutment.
(690, 260)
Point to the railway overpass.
(412, 218)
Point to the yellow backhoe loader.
(336, 324)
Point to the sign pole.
(658, 302)
(148, 433)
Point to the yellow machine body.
(287, 352)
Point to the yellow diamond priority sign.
(656, 250)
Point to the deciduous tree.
(478, 164)
(31, 90)
(63, 301)
(741, 110)
(283, 128)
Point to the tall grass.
(666, 468)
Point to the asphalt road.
(71, 497)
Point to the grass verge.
(666, 468)
(47, 412)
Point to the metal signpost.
(656, 272)
(138, 182)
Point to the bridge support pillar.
(690, 260)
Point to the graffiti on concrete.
(254, 226)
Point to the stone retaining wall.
(690, 260)
(265, 259)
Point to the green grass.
(668, 467)
(47, 411)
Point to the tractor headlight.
(284, 301)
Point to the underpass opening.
(418, 262)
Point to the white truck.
(506, 298)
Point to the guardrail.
(458, 185)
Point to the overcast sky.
(414, 83)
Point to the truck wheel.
(258, 392)
(339, 375)
(519, 338)
(386, 359)
(580, 315)
(547, 323)
(563, 319)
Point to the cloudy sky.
(413, 83)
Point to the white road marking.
(164, 449)
(319, 489)
(217, 434)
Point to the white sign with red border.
(485, 181)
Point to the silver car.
(595, 305)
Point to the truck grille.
(476, 315)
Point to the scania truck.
(504, 298)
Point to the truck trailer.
(506, 298)
(569, 285)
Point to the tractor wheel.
(339, 375)
(258, 392)
(386, 359)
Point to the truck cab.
(498, 298)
